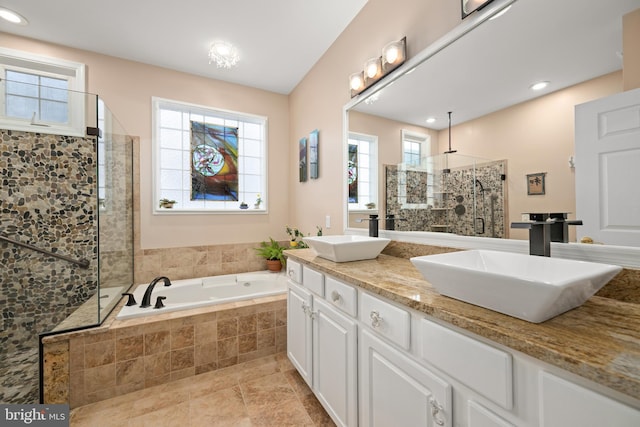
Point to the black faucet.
(373, 224)
(545, 228)
(146, 299)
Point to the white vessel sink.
(531, 288)
(344, 248)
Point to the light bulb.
(356, 81)
(391, 54)
(372, 68)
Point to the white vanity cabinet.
(396, 391)
(335, 369)
(566, 404)
(374, 362)
(322, 345)
(299, 330)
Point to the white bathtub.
(191, 293)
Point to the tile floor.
(263, 392)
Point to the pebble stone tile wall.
(452, 203)
(47, 199)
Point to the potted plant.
(166, 203)
(272, 252)
(295, 237)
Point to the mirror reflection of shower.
(449, 193)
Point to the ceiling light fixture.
(539, 85)
(431, 120)
(393, 55)
(223, 54)
(13, 17)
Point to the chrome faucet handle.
(159, 303)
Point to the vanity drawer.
(294, 271)
(481, 367)
(388, 320)
(341, 295)
(313, 280)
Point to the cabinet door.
(565, 404)
(335, 363)
(299, 343)
(396, 391)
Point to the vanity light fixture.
(393, 55)
(223, 54)
(539, 85)
(470, 6)
(13, 17)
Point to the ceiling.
(564, 42)
(279, 41)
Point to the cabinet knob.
(376, 319)
(335, 296)
(290, 273)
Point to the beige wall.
(317, 102)
(127, 88)
(631, 49)
(535, 136)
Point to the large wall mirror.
(482, 72)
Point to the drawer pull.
(335, 296)
(436, 412)
(376, 319)
(291, 273)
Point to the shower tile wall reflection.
(467, 200)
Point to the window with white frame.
(363, 171)
(417, 164)
(415, 147)
(208, 159)
(41, 94)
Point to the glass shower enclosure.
(447, 193)
(66, 222)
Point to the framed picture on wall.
(303, 159)
(313, 155)
(535, 184)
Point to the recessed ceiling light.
(431, 120)
(539, 85)
(13, 17)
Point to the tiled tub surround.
(123, 356)
(197, 261)
(441, 195)
(599, 341)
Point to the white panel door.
(607, 143)
(396, 391)
(299, 329)
(335, 369)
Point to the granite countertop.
(599, 340)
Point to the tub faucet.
(146, 299)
